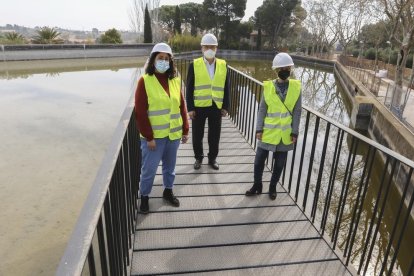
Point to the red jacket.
(141, 107)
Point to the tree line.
(47, 35)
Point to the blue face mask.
(162, 65)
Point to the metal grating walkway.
(219, 231)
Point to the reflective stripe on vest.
(278, 121)
(163, 111)
(206, 90)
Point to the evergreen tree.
(177, 20)
(191, 14)
(147, 27)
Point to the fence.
(103, 236)
(330, 174)
(394, 98)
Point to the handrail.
(340, 173)
(371, 142)
(79, 245)
(109, 212)
(361, 137)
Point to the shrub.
(355, 53)
(370, 54)
(184, 43)
(111, 36)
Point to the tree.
(375, 35)
(321, 25)
(147, 27)
(401, 15)
(275, 15)
(223, 15)
(136, 14)
(177, 20)
(350, 16)
(47, 35)
(111, 36)
(191, 14)
(14, 37)
(293, 32)
(166, 15)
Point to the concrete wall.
(368, 113)
(62, 51)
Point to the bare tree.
(350, 16)
(401, 15)
(136, 16)
(321, 24)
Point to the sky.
(81, 14)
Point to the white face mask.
(209, 54)
(162, 65)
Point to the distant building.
(253, 38)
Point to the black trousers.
(259, 164)
(213, 114)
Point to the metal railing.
(332, 174)
(103, 236)
(329, 174)
(393, 97)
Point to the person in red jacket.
(162, 121)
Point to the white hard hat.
(209, 39)
(162, 48)
(282, 60)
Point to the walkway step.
(198, 218)
(223, 152)
(205, 178)
(189, 146)
(229, 257)
(245, 159)
(319, 268)
(224, 235)
(224, 168)
(219, 202)
(211, 189)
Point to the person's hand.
(293, 139)
(192, 115)
(151, 144)
(184, 139)
(259, 136)
(223, 113)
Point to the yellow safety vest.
(163, 111)
(207, 90)
(278, 121)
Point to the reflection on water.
(321, 93)
(56, 125)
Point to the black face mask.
(283, 74)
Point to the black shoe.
(255, 189)
(144, 207)
(272, 192)
(168, 195)
(214, 164)
(197, 164)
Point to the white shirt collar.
(208, 63)
(210, 67)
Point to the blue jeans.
(259, 163)
(165, 150)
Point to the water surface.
(56, 125)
